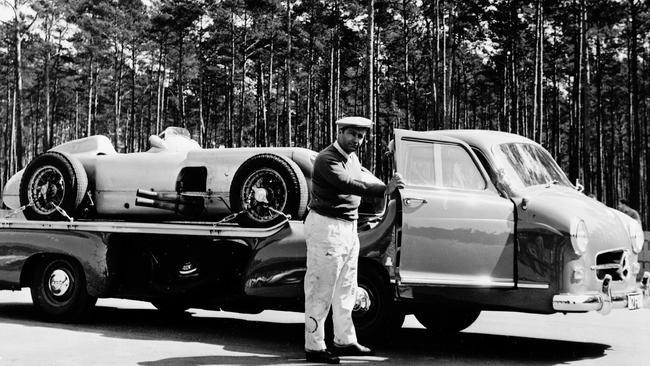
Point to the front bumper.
(603, 301)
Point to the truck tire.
(59, 290)
(52, 179)
(447, 319)
(279, 180)
(383, 317)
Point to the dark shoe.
(323, 356)
(354, 349)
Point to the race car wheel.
(59, 290)
(264, 186)
(52, 183)
(447, 319)
(376, 315)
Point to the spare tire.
(271, 178)
(52, 179)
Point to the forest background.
(573, 75)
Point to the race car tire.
(52, 179)
(59, 292)
(282, 184)
(447, 319)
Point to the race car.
(175, 179)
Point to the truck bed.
(214, 229)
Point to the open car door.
(456, 228)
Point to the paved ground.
(133, 333)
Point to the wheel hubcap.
(59, 282)
(263, 190)
(47, 189)
(363, 302)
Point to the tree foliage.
(573, 75)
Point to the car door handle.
(413, 201)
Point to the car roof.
(485, 139)
(434, 135)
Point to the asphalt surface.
(134, 333)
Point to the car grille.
(615, 263)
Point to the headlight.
(636, 236)
(579, 236)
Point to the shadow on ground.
(267, 343)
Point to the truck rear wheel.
(379, 316)
(53, 181)
(59, 290)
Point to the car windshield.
(524, 165)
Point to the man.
(626, 209)
(333, 244)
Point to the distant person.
(626, 209)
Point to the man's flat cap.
(360, 122)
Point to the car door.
(456, 229)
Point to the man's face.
(350, 138)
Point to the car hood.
(557, 207)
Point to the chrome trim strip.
(455, 282)
(533, 285)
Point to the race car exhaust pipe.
(187, 206)
(169, 197)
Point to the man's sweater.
(336, 185)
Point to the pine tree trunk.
(513, 120)
(634, 123)
(405, 49)
(242, 95)
(90, 97)
(584, 103)
(18, 94)
(599, 126)
(287, 77)
(231, 84)
(181, 87)
(160, 83)
(116, 95)
(132, 125)
(311, 141)
(47, 136)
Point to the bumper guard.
(605, 300)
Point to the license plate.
(634, 301)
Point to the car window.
(458, 169)
(440, 165)
(419, 163)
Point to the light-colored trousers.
(331, 279)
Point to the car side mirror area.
(502, 184)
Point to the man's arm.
(335, 174)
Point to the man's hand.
(395, 182)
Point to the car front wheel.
(59, 290)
